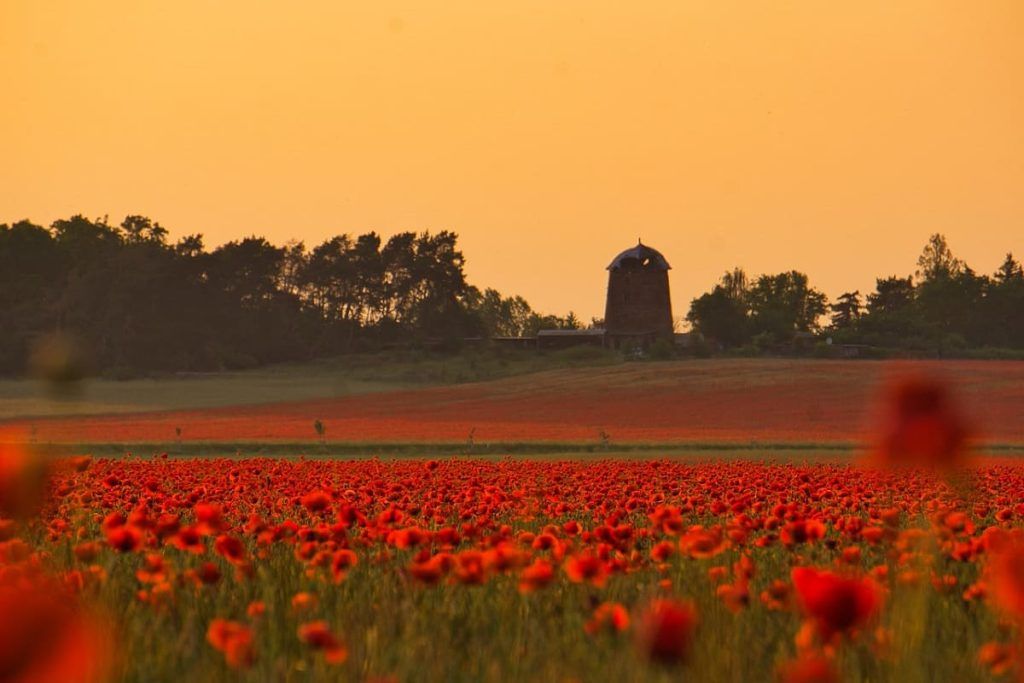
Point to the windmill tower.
(639, 308)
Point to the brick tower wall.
(638, 302)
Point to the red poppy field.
(715, 401)
(514, 570)
(904, 564)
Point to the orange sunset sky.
(831, 137)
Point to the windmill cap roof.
(641, 255)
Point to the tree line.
(944, 307)
(136, 302)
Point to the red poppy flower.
(608, 616)
(836, 604)
(317, 634)
(209, 518)
(87, 552)
(702, 544)
(230, 548)
(810, 668)
(304, 602)
(432, 570)
(470, 567)
(233, 639)
(154, 569)
(586, 568)
(802, 531)
(208, 573)
(997, 658)
(23, 477)
(505, 557)
(403, 539)
(114, 520)
(662, 551)
(341, 562)
(189, 538)
(536, 576)
(665, 630)
(736, 595)
(1005, 571)
(316, 501)
(778, 596)
(43, 637)
(124, 539)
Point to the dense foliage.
(944, 308)
(135, 302)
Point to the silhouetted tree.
(783, 304)
(846, 311)
(937, 261)
(139, 304)
(722, 315)
(891, 296)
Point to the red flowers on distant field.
(836, 605)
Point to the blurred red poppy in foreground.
(1005, 571)
(665, 630)
(45, 639)
(23, 477)
(924, 426)
(835, 604)
(997, 658)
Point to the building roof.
(590, 332)
(640, 255)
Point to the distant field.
(343, 376)
(709, 401)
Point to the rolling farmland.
(718, 401)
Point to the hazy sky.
(832, 137)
